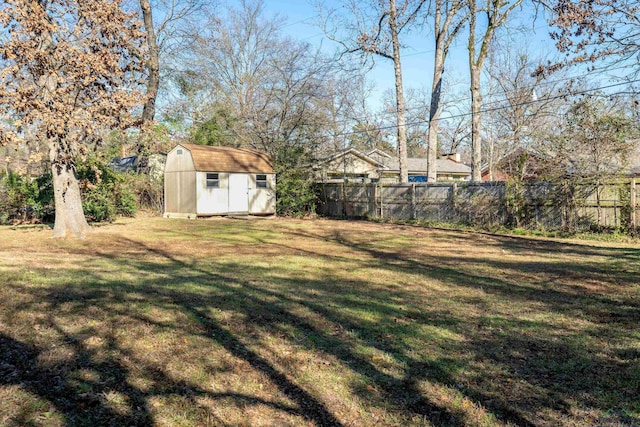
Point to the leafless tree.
(347, 112)
(520, 105)
(495, 14)
(448, 17)
(166, 23)
(455, 130)
(167, 26)
(153, 63)
(274, 86)
(374, 30)
(369, 129)
(417, 117)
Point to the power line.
(502, 35)
(488, 110)
(501, 102)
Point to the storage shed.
(201, 180)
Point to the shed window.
(213, 180)
(261, 181)
(179, 151)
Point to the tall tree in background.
(69, 70)
(367, 130)
(167, 26)
(416, 114)
(165, 36)
(495, 14)
(521, 104)
(591, 145)
(376, 30)
(448, 17)
(344, 101)
(271, 88)
(592, 141)
(454, 127)
(153, 63)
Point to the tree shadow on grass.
(554, 372)
(403, 393)
(261, 309)
(79, 407)
(229, 287)
(83, 401)
(82, 408)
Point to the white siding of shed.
(187, 194)
(262, 200)
(212, 201)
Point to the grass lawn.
(157, 322)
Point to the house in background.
(201, 180)
(350, 166)
(632, 168)
(520, 164)
(523, 164)
(375, 165)
(130, 164)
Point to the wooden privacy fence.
(538, 205)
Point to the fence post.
(344, 199)
(372, 201)
(413, 200)
(633, 205)
(381, 200)
(453, 212)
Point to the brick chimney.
(451, 156)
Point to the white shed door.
(238, 192)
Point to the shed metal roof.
(228, 159)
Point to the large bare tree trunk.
(434, 114)
(476, 125)
(447, 21)
(153, 84)
(400, 106)
(496, 13)
(69, 213)
(153, 63)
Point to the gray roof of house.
(418, 165)
(415, 165)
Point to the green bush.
(105, 192)
(98, 205)
(295, 193)
(295, 190)
(21, 199)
